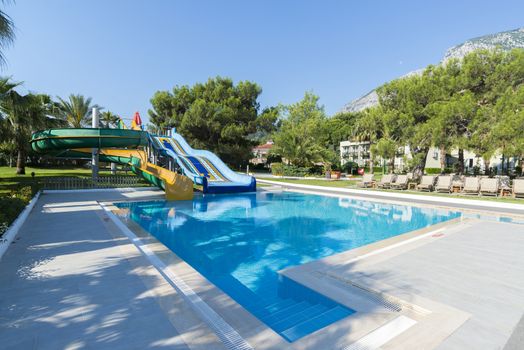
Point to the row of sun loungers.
(446, 184)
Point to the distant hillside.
(504, 40)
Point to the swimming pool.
(240, 242)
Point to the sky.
(119, 52)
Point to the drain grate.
(386, 301)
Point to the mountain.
(504, 40)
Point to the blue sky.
(120, 52)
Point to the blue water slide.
(205, 168)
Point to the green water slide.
(57, 140)
(116, 145)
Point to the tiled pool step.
(313, 324)
(292, 316)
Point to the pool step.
(286, 312)
(313, 324)
(293, 315)
(270, 309)
(298, 317)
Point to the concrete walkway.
(71, 281)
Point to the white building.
(358, 152)
(354, 151)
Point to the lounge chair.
(518, 188)
(401, 183)
(386, 180)
(426, 183)
(489, 186)
(457, 182)
(471, 185)
(367, 181)
(443, 184)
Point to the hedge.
(279, 169)
(436, 171)
(12, 205)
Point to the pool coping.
(400, 196)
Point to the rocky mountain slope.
(504, 40)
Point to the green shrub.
(277, 169)
(9, 210)
(432, 171)
(316, 170)
(292, 170)
(376, 169)
(436, 171)
(12, 205)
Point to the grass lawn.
(315, 182)
(9, 180)
(352, 184)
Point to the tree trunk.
(442, 160)
(371, 165)
(392, 165)
(418, 171)
(461, 161)
(486, 166)
(20, 162)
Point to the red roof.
(264, 146)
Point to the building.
(261, 152)
(355, 151)
(358, 152)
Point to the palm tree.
(108, 119)
(7, 33)
(368, 127)
(75, 111)
(21, 115)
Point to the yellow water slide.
(114, 145)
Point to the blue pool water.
(239, 242)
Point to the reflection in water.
(239, 242)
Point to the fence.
(71, 183)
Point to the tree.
(7, 34)
(268, 122)
(108, 119)
(508, 128)
(369, 127)
(340, 128)
(302, 136)
(386, 149)
(23, 114)
(217, 115)
(76, 110)
(412, 104)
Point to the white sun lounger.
(401, 183)
(367, 181)
(443, 184)
(471, 185)
(518, 188)
(386, 180)
(426, 184)
(489, 186)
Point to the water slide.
(115, 145)
(204, 167)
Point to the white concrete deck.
(72, 280)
